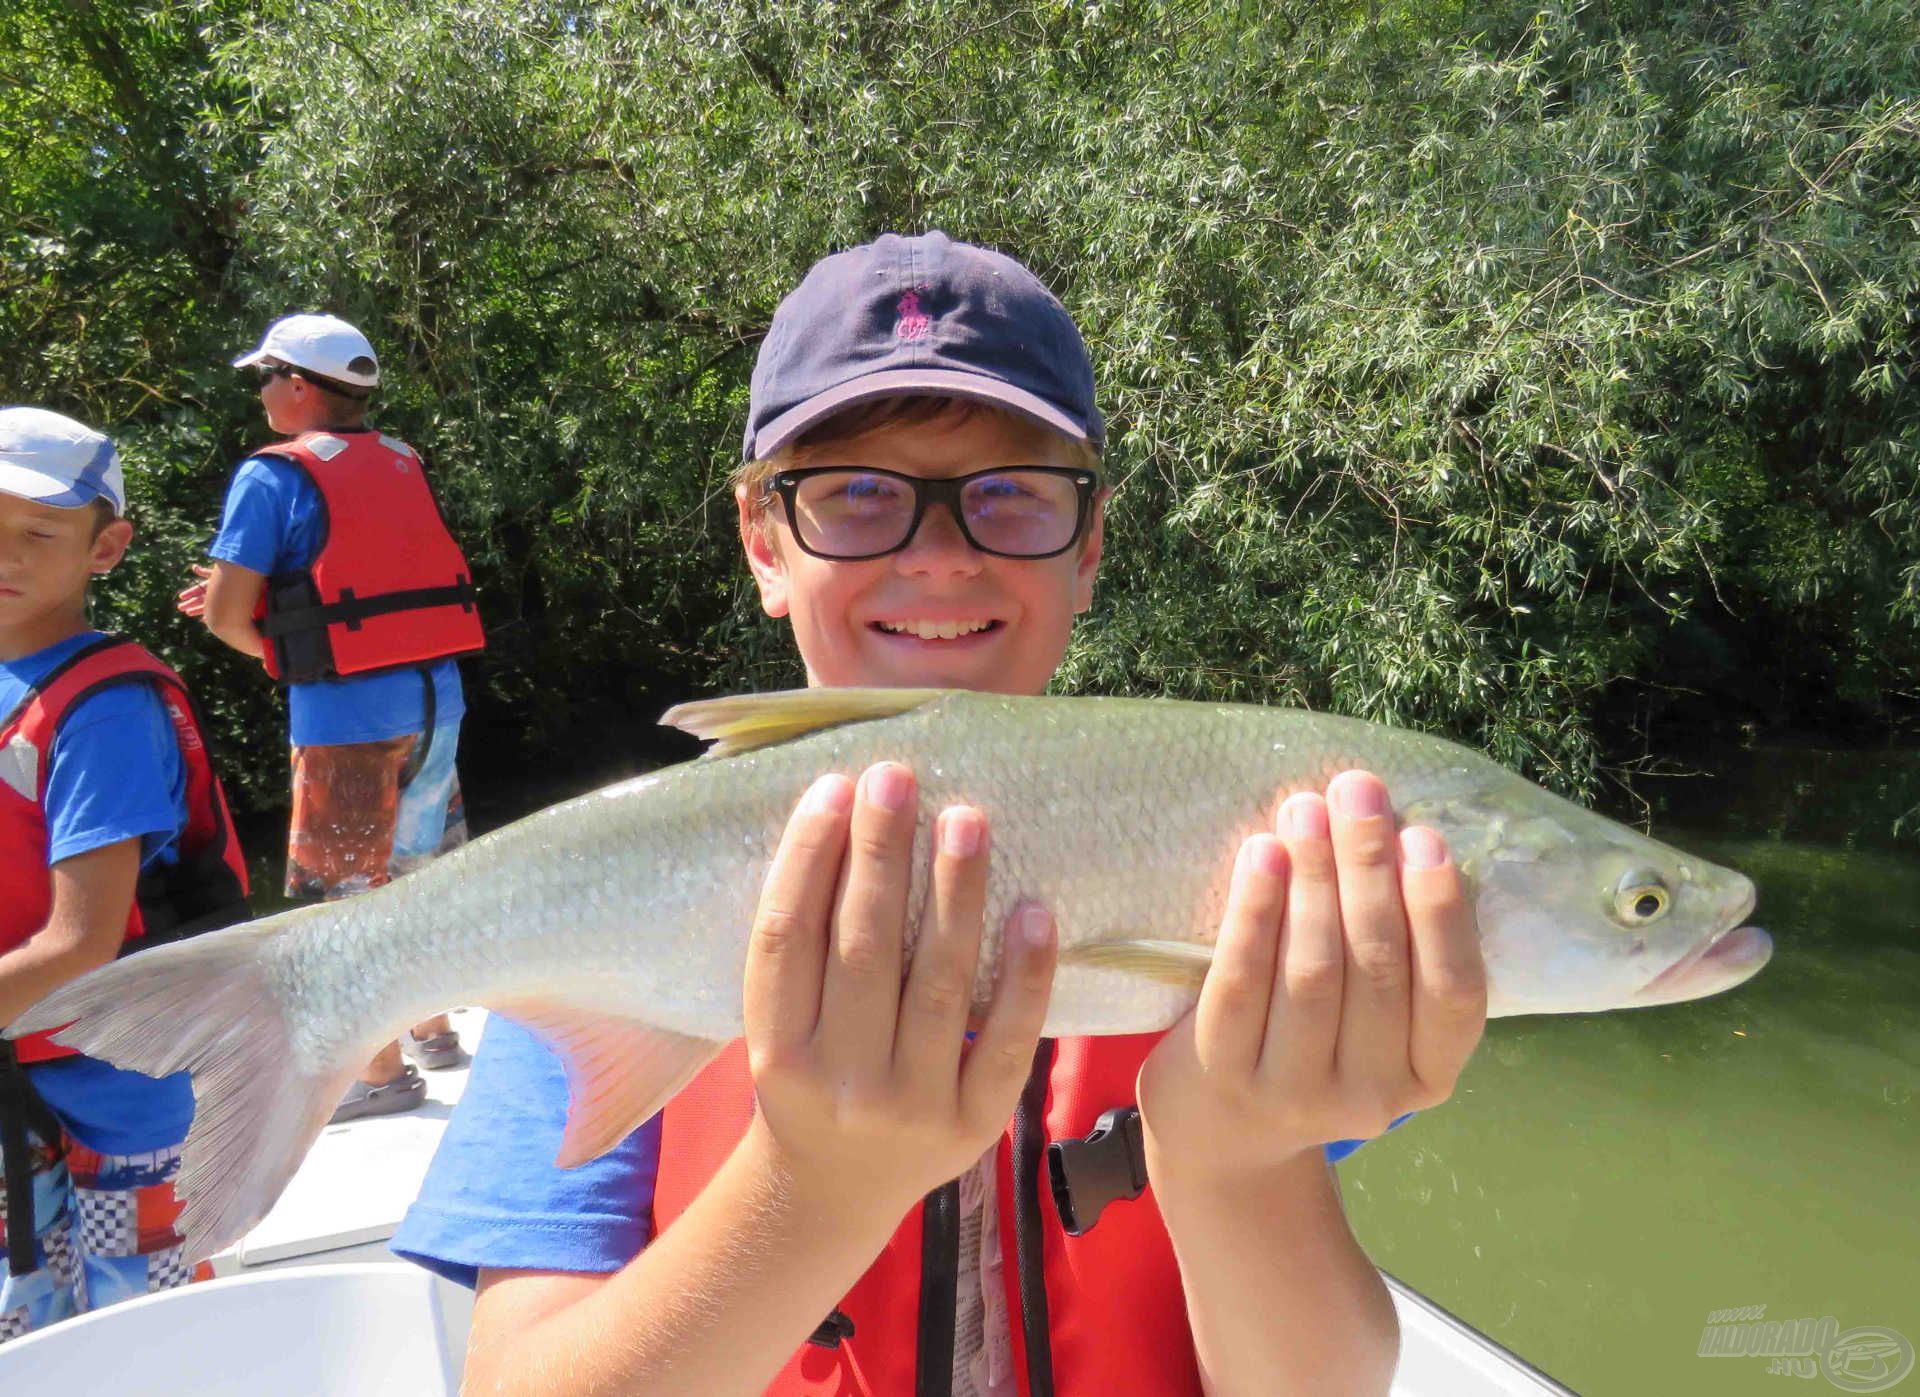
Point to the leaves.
(1528, 374)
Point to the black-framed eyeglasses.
(269, 372)
(851, 513)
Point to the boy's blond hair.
(863, 418)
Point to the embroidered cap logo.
(913, 323)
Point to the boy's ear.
(1088, 562)
(110, 546)
(763, 554)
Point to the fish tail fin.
(206, 1006)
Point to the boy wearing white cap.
(333, 567)
(113, 835)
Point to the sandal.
(364, 1099)
(440, 1051)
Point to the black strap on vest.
(1107, 1166)
(352, 610)
(1029, 1141)
(177, 900)
(939, 1291)
(21, 1111)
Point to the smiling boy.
(113, 834)
(842, 1206)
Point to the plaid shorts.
(103, 1231)
(366, 812)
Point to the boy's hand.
(868, 1094)
(1346, 990)
(192, 598)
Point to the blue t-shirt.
(114, 773)
(494, 1198)
(271, 524)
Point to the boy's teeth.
(934, 630)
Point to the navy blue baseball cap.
(920, 316)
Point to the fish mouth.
(1721, 961)
(1725, 961)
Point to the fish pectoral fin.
(742, 722)
(620, 1072)
(1181, 963)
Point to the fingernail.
(1035, 925)
(1265, 855)
(1420, 847)
(830, 795)
(960, 832)
(1358, 796)
(1304, 816)
(887, 786)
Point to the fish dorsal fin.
(620, 1072)
(1179, 963)
(742, 722)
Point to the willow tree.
(1536, 375)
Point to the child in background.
(334, 569)
(841, 1206)
(113, 834)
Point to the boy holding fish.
(841, 1206)
(113, 834)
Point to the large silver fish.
(616, 924)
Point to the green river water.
(1600, 1185)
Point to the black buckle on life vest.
(1109, 1165)
(831, 1331)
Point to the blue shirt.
(114, 773)
(272, 524)
(494, 1198)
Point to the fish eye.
(1641, 898)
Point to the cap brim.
(57, 492)
(342, 380)
(896, 383)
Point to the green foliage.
(117, 214)
(1537, 375)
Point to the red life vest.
(388, 587)
(206, 888)
(1104, 1311)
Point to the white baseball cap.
(53, 460)
(325, 345)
